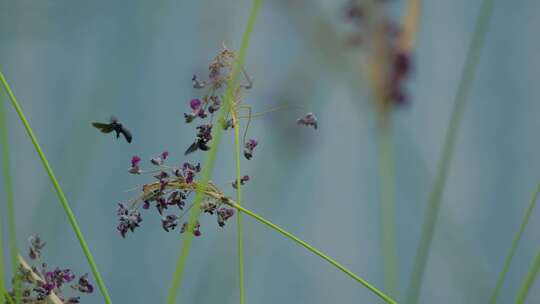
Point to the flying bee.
(115, 126)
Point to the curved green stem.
(435, 198)
(209, 164)
(513, 248)
(10, 202)
(314, 250)
(529, 280)
(59, 192)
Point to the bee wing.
(194, 146)
(103, 127)
(126, 134)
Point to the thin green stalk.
(388, 212)
(513, 248)
(239, 226)
(209, 164)
(59, 192)
(435, 199)
(3, 124)
(529, 280)
(317, 252)
(2, 274)
(10, 205)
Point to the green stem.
(3, 125)
(513, 248)
(467, 77)
(388, 212)
(317, 252)
(10, 205)
(209, 164)
(240, 230)
(529, 280)
(59, 192)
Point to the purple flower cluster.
(172, 188)
(39, 282)
(205, 106)
(129, 219)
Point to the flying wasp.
(115, 126)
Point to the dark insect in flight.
(115, 126)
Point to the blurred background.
(74, 62)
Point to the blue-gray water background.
(73, 62)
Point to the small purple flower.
(308, 120)
(159, 160)
(176, 198)
(135, 161)
(223, 214)
(161, 205)
(169, 222)
(201, 113)
(195, 104)
(84, 285)
(249, 147)
(134, 169)
(146, 205)
(243, 180)
(196, 229)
